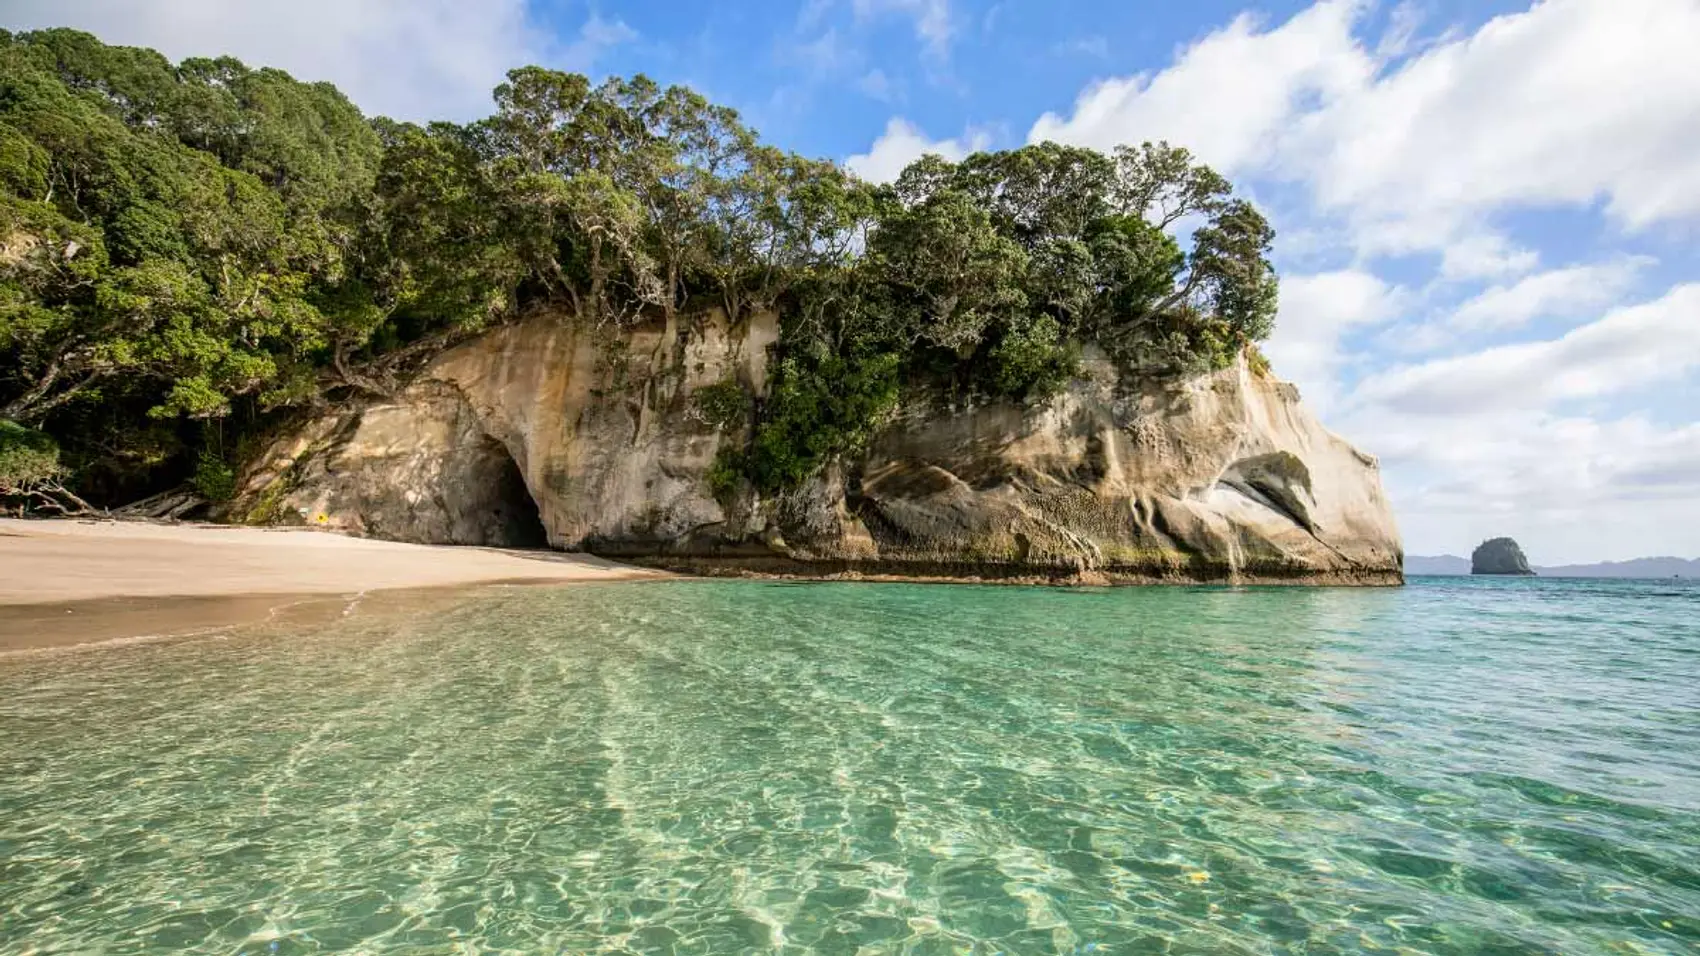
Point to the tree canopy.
(188, 250)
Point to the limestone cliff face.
(1226, 477)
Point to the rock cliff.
(546, 429)
(1499, 556)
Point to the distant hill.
(1636, 568)
(1436, 564)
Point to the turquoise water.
(1461, 766)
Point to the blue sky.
(1487, 210)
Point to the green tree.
(186, 248)
(953, 273)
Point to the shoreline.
(78, 581)
(775, 568)
(71, 581)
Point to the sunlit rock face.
(1223, 477)
(1499, 556)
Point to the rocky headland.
(528, 434)
(608, 317)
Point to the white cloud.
(1550, 441)
(1570, 103)
(934, 24)
(902, 143)
(1668, 465)
(1485, 255)
(1568, 292)
(1570, 489)
(1316, 311)
(1629, 348)
(412, 59)
(1228, 96)
(1566, 104)
(1521, 440)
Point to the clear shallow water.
(1461, 766)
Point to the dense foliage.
(189, 249)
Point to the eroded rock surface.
(1226, 477)
(422, 469)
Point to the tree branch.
(17, 407)
(355, 380)
(29, 408)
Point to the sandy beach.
(71, 581)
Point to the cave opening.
(513, 519)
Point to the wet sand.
(72, 581)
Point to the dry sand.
(70, 581)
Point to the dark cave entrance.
(512, 519)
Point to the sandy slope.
(62, 561)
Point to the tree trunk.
(18, 407)
(355, 380)
(30, 406)
(598, 282)
(1168, 303)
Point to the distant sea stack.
(1499, 556)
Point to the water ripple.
(713, 767)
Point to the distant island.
(1499, 556)
(1656, 567)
